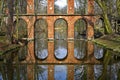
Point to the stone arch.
(80, 28)
(61, 33)
(41, 35)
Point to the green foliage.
(108, 28)
(1, 52)
(104, 7)
(118, 6)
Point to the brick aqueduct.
(30, 18)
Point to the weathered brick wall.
(71, 19)
(51, 21)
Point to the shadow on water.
(107, 69)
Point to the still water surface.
(108, 67)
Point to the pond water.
(107, 66)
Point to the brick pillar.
(50, 8)
(70, 28)
(50, 21)
(90, 52)
(90, 28)
(70, 6)
(90, 72)
(30, 56)
(30, 72)
(51, 72)
(51, 57)
(70, 57)
(30, 6)
(70, 72)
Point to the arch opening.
(99, 29)
(41, 34)
(20, 33)
(60, 39)
(80, 28)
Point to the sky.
(61, 3)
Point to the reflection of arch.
(22, 71)
(80, 29)
(98, 51)
(41, 34)
(21, 32)
(60, 72)
(80, 49)
(60, 49)
(98, 71)
(80, 72)
(61, 29)
(61, 34)
(41, 72)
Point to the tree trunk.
(103, 6)
(106, 62)
(10, 19)
(118, 7)
(108, 28)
